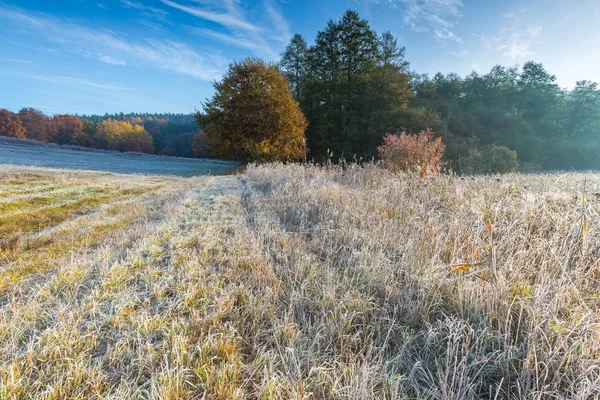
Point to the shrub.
(253, 115)
(167, 151)
(422, 152)
(499, 159)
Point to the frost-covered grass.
(299, 282)
(31, 153)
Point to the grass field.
(298, 282)
(32, 153)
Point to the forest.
(354, 86)
(163, 134)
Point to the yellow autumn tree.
(124, 136)
(253, 115)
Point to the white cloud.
(459, 54)
(277, 21)
(390, 3)
(512, 14)
(87, 82)
(433, 15)
(226, 19)
(15, 16)
(517, 45)
(234, 40)
(517, 36)
(240, 30)
(140, 6)
(111, 60)
(68, 80)
(163, 55)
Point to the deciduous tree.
(67, 126)
(253, 115)
(10, 125)
(123, 136)
(37, 125)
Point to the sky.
(106, 56)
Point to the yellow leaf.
(466, 266)
(461, 267)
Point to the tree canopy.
(253, 115)
(10, 125)
(351, 84)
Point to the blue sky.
(97, 56)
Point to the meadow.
(50, 155)
(298, 282)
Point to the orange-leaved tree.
(67, 126)
(10, 125)
(38, 126)
(253, 115)
(422, 152)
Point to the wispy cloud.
(36, 106)
(517, 35)
(237, 28)
(19, 61)
(112, 48)
(16, 16)
(143, 7)
(277, 20)
(111, 60)
(517, 43)
(459, 54)
(433, 16)
(236, 40)
(86, 82)
(61, 80)
(226, 19)
(152, 25)
(390, 3)
(513, 13)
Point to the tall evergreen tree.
(294, 63)
(354, 88)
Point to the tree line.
(354, 85)
(164, 134)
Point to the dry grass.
(299, 282)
